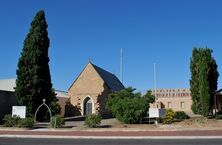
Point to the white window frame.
(169, 105)
(182, 105)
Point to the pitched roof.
(110, 79)
(7, 85)
(61, 94)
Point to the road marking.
(111, 137)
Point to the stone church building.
(89, 92)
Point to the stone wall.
(89, 85)
(176, 103)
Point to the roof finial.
(43, 101)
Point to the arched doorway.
(88, 106)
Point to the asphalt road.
(23, 141)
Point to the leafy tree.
(127, 106)
(33, 81)
(203, 82)
(149, 98)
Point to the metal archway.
(43, 104)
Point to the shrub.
(9, 121)
(27, 122)
(200, 121)
(93, 120)
(127, 106)
(181, 115)
(55, 108)
(15, 121)
(219, 116)
(57, 121)
(168, 119)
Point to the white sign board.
(19, 111)
(156, 113)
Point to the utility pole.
(121, 65)
(154, 75)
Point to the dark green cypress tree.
(204, 87)
(213, 81)
(194, 81)
(212, 76)
(33, 81)
(202, 59)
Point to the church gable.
(88, 82)
(89, 92)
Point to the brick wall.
(177, 99)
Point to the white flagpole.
(154, 71)
(121, 65)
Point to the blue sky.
(160, 31)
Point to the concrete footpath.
(198, 134)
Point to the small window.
(169, 105)
(182, 105)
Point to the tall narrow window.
(182, 105)
(169, 105)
